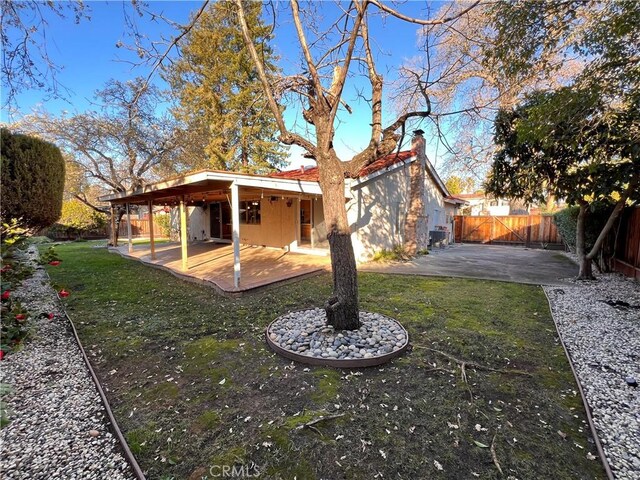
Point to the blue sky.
(89, 57)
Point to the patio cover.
(203, 187)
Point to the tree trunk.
(585, 272)
(119, 211)
(342, 307)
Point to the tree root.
(465, 363)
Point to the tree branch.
(406, 18)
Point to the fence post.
(528, 243)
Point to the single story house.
(284, 210)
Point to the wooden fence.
(627, 253)
(139, 228)
(528, 230)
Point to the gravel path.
(601, 329)
(58, 425)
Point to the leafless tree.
(330, 56)
(118, 147)
(26, 63)
(467, 87)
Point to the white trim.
(289, 185)
(235, 232)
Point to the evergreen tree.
(220, 97)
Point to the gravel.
(306, 333)
(599, 322)
(58, 428)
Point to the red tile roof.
(311, 174)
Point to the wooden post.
(129, 238)
(183, 233)
(528, 244)
(113, 226)
(462, 229)
(152, 241)
(235, 235)
(312, 213)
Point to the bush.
(78, 220)
(567, 220)
(164, 221)
(32, 180)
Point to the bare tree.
(467, 87)
(329, 58)
(118, 147)
(26, 63)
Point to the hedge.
(32, 180)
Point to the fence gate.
(527, 230)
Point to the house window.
(250, 212)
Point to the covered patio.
(212, 263)
(263, 227)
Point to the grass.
(196, 386)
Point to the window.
(250, 212)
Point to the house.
(396, 199)
(480, 203)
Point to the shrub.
(164, 221)
(32, 180)
(566, 220)
(78, 219)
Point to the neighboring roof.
(311, 174)
(472, 196)
(455, 199)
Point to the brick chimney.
(418, 144)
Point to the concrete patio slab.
(488, 262)
(212, 263)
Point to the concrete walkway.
(489, 262)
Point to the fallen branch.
(311, 425)
(494, 456)
(465, 363)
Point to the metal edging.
(326, 362)
(585, 403)
(129, 457)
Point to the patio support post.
(129, 239)
(235, 224)
(113, 226)
(152, 241)
(183, 232)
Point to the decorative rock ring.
(304, 336)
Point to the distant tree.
(456, 184)
(32, 180)
(454, 67)
(219, 95)
(572, 144)
(121, 146)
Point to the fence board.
(139, 228)
(627, 256)
(530, 230)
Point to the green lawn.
(194, 387)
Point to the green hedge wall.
(32, 180)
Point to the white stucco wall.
(377, 213)
(378, 210)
